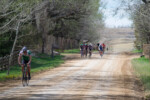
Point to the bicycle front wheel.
(23, 79)
(27, 77)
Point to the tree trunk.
(43, 45)
(12, 50)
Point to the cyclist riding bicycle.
(101, 50)
(86, 49)
(98, 46)
(103, 45)
(90, 49)
(25, 56)
(81, 49)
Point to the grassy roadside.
(41, 63)
(72, 51)
(142, 69)
(136, 51)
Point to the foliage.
(137, 51)
(139, 12)
(77, 19)
(72, 51)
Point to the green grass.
(137, 51)
(41, 63)
(142, 68)
(72, 51)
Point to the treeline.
(139, 12)
(29, 22)
(141, 19)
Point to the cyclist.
(86, 49)
(82, 50)
(101, 50)
(103, 45)
(90, 49)
(25, 56)
(98, 46)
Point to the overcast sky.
(117, 20)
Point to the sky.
(117, 20)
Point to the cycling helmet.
(90, 44)
(24, 48)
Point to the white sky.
(117, 20)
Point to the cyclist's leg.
(81, 53)
(103, 50)
(100, 52)
(29, 67)
(90, 51)
(86, 52)
(22, 65)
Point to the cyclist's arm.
(30, 58)
(19, 59)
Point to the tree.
(75, 19)
(13, 14)
(139, 12)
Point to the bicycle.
(103, 50)
(25, 76)
(82, 53)
(101, 53)
(90, 54)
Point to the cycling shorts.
(25, 62)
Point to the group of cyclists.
(86, 48)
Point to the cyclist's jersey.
(90, 47)
(81, 47)
(86, 47)
(25, 57)
(101, 47)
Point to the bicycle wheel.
(90, 54)
(23, 78)
(81, 54)
(27, 77)
(101, 54)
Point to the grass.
(142, 68)
(40, 63)
(137, 51)
(72, 51)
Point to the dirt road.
(107, 78)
